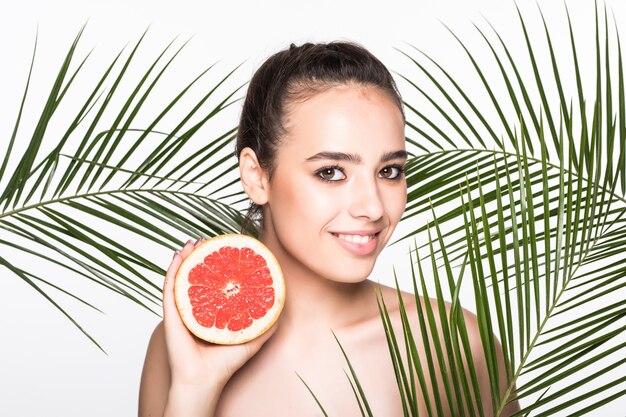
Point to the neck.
(317, 304)
(322, 304)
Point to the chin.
(353, 274)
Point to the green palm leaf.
(542, 231)
(108, 181)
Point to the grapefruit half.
(229, 290)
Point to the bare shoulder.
(484, 353)
(410, 302)
(393, 299)
(419, 308)
(155, 377)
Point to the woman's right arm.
(183, 375)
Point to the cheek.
(395, 202)
(301, 202)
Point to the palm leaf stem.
(67, 199)
(525, 358)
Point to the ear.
(253, 177)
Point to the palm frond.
(106, 180)
(541, 217)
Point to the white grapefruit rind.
(225, 336)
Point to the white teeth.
(356, 238)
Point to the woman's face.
(338, 188)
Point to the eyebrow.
(355, 158)
(390, 156)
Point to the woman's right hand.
(199, 370)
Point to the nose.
(365, 200)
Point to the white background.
(46, 366)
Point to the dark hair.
(295, 74)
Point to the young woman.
(321, 150)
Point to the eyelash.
(319, 172)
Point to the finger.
(173, 322)
(184, 252)
(168, 286)
(175, 329)
(187, 248)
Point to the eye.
(331, 174)
(391, 172)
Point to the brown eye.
(331, 174)
(391, 172)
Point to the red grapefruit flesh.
(230, 289)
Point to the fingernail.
(189, 242)
(175, 253)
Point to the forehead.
(344, 118)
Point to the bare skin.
(335, 178)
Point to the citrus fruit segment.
(230, 289)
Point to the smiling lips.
(357, 244)
(356, 238)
